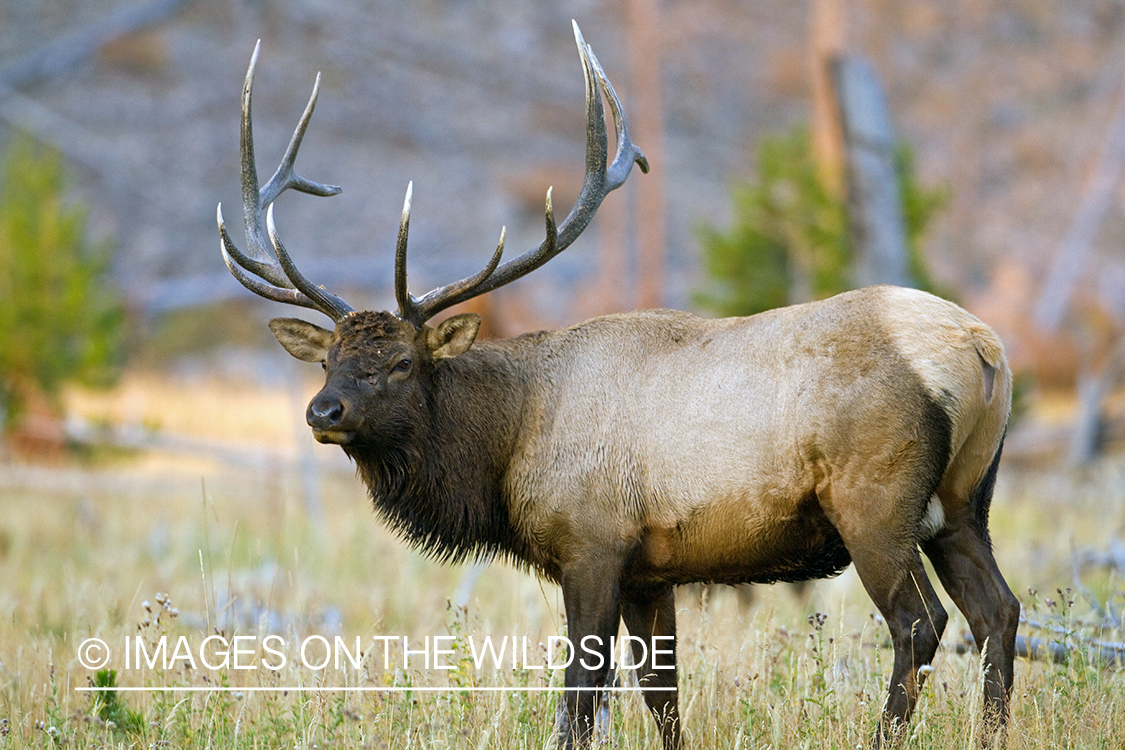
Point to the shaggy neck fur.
(441, 488)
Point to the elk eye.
(324, 365)
(402, 365)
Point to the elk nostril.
(331, 412)
(325, 412)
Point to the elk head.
(377, 364)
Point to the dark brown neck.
(442, 489)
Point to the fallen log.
(1104, 654)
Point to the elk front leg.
(650, 615)
(592, 598)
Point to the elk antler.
(280, 279)
(599, 181)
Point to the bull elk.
(631, 453)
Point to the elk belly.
(735, 542)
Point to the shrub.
(61, 320)
(788, 226)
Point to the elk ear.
(302, 339)
(453, 337)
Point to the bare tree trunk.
(472, 573)
(1095, 381)
(874, 197)
(827, 43)
(1076, 246)
(614, 293)
(645, 55)
(1094, 385)
(827, 32)
(1089, 427)
(61, 55)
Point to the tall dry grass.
(85, 547)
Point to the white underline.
(420, 689)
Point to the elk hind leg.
(916, 620)
(964, 563)
(650, 615)
(966, 569)
(961, 553)
(890, 567)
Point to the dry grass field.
(130, 547)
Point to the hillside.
(480, 104)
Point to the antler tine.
(415, 310)
(598, 182)
(406, 302)
(285, 178)
(259, 261)
(283, 281)
(289, 296)
(627, 153)
(325, 301)
(418, 311)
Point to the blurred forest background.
(1011, 114)
(152, 431)
(1010, 111)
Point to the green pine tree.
(789, 226)
(61, 320)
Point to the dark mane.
(441, 488)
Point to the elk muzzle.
(331, 419)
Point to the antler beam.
(598, 183)
(278, 277)
(267, 269)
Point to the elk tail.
(991, 353)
